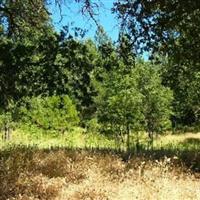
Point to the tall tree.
(26, 37)
(18, 17)
(133, 101)
(119, 103)
(168, 29)
(126, 50)
(79, 59)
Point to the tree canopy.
(102, 78)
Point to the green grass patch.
(79, 138)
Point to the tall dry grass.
(33, 174)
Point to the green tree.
(17, 18)
(107, 51)
(134, 101)
(126, 51)
(157, 99)
(169, 29)
(78, 59)
(26, 39)
(119, 104)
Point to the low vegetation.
(63, 173)
(49, 168)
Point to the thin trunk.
(7, 133)
(151, 138)
(137, 143)
(128, 138)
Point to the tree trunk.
(150, 133)
(128, 139)
(137, 145)
(7, 133)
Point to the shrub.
(92, 125)
(50, 113)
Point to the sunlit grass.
(184, 141)
(78, 138)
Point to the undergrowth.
(32, 173)
(78, 165)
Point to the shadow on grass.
(188, 158)
(192, 141)
(185, 153)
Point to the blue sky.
(72, 14)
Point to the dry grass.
(32, 174)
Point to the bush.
(50, 113)
(92, 125)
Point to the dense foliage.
(107, 82)
(169, 31)
(56, 113)
(134, 101)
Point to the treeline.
(55, 81)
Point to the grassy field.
(78, 138)
(39, 167)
